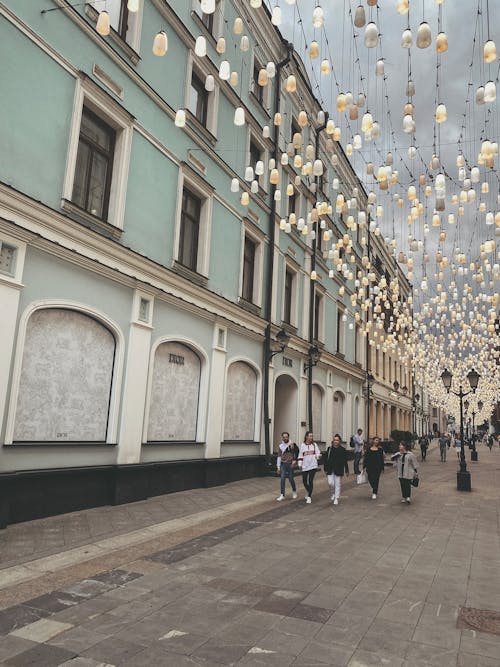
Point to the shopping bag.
(362, 478)
(415, 481)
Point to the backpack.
(351, 441)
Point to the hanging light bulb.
(239, 116)
(160, 43)
(255, 4)
(367, 122)
(341, 102)
(291, 84)
(490, 92)
(406, 39)
(441, 43)
(271, 69)
(371, 35)
(480, 95)
(410, 88)
(412, 152)
(133, 6)
(276, 16)
(224, 70)
(424, 35)
(361, 101)
(180, 118)
(209, 83)
(200, 46)
(263, 77)
(403, 7)
(353, 112)
(103, 25)
(489, 51)
(441, 114)
(318, 17)
(325, 68)
(359, 16)
(244, 43)
(207, 6)
(313, 50)
(380, 68)
(238, 26)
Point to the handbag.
(415, 481)
(362, 478)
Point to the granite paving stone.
(41, 655)
(367, 583)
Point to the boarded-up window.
(175, 392)
(66, 378)
(241, 392)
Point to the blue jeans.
(287, 471)
(357, 459)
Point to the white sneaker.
(281, 497)
(408, 501)
(336, 501)
(374, 496)
(332, 498)
(308, 500)
(403, 500)
(294, 495)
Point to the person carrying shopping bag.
(407, 471)
(309, 455)
(335, 466)
(373, 464)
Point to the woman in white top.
(308, 458)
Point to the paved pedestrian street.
(228, 576)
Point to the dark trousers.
(357, 459)
(373, 478)
(423, 451)
(287, 471)
(307, 481)
(405, 487)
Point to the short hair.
(360, 430)
(285, 433)
(337, 435)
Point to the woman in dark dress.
(373, 463)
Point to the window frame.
(319, 316)
(129, 39)
(254, 141)
(340, 342)
(260, 94)
(188, 196)
(248, 273)
(250, 232)
(90, 95)
(189, 179)
(203, 95)
(95, 149)
(214, 31)
(199, 69)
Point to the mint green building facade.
(139, 306)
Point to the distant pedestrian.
(287, 460)
(443, 446)
(490, 442)
(424, 444)
(358, 443)
(407, 471)
(373, 463)
(309, 455)
(335, 466)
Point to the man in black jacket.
(335, 466)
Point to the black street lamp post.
(463, 475)
(314, 357)
(473, 455)
(368, 393)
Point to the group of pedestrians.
(369, 461)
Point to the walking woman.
(335, 467)
(373, 463)
(308, 458)
(407, 471)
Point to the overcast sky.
(460, 23)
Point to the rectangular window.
(118, 16)
(317, 315)
(248, 270)
(257, 90)
(94, 165)
(287, 305)
(198, 99)
(189, 230)
(292, 203)
(340, 331)
(212, 22)
(255, 153)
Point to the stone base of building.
(34, 494)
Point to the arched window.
(175, 393)
(317, 412)
(66, 378)
(241, 400)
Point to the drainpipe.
(310, 365)
(270, 264)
